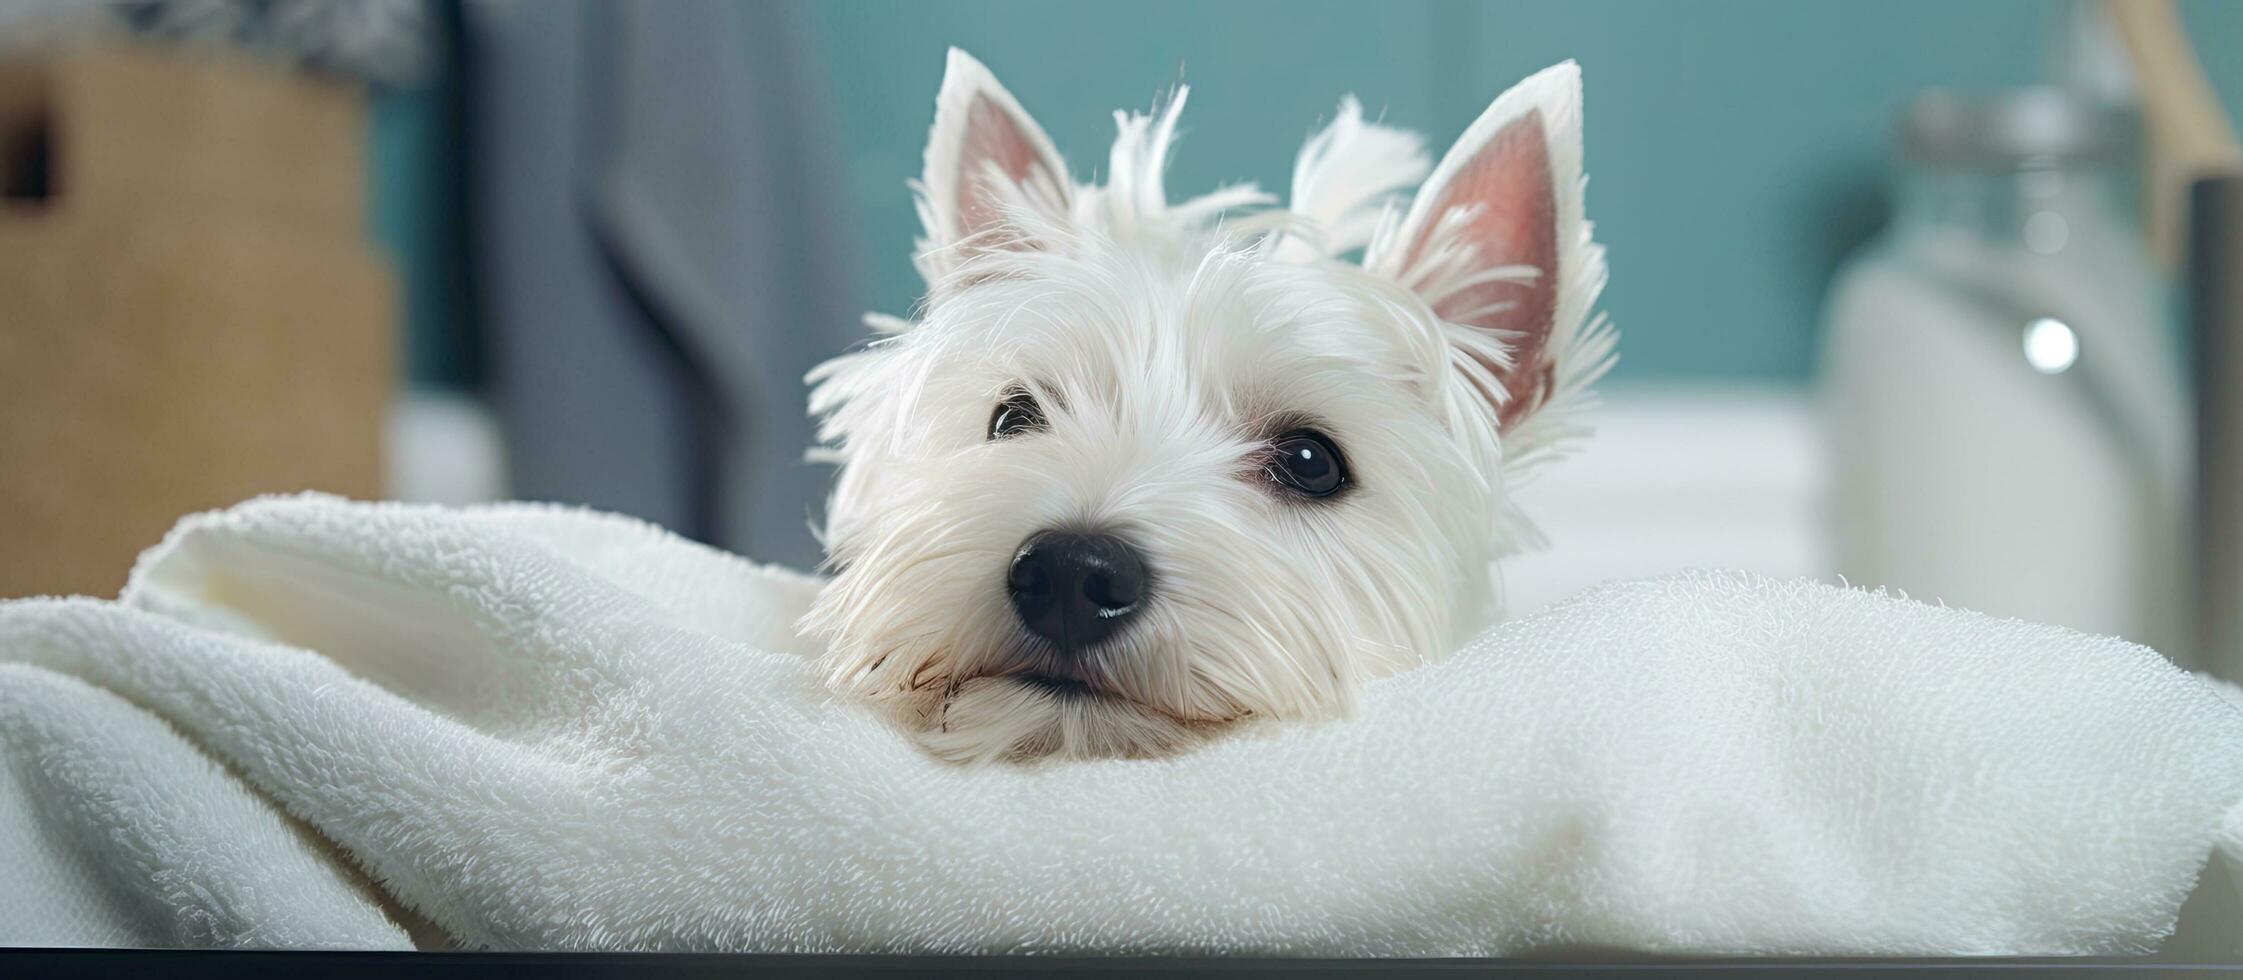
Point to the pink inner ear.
(1516, 224)
(991, 136)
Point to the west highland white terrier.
(1141, 471)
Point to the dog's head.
(1142, 470)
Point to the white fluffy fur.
(1164, 342)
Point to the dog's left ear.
(988, 165)
(1496, 244)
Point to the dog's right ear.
(989, 167)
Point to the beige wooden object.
(2189, 133)
(190, 317)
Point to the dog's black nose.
(1075, 589)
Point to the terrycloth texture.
(547, 728)
(115, 832)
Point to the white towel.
(546, 728)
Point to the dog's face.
(1142, 471)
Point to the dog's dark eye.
(1018, 413)
(1308, 463)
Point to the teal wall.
(1735, 146)
(402, 136)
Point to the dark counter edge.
(24, 963)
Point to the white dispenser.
(2008, 422)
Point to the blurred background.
(1904, 288)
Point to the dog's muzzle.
(1076, 589)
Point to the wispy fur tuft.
(1346, 178)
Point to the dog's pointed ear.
(1496, 244)
(986, 163)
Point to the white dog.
(1141, 471)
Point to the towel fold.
(546, 728)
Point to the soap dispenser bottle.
(2008, 422)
